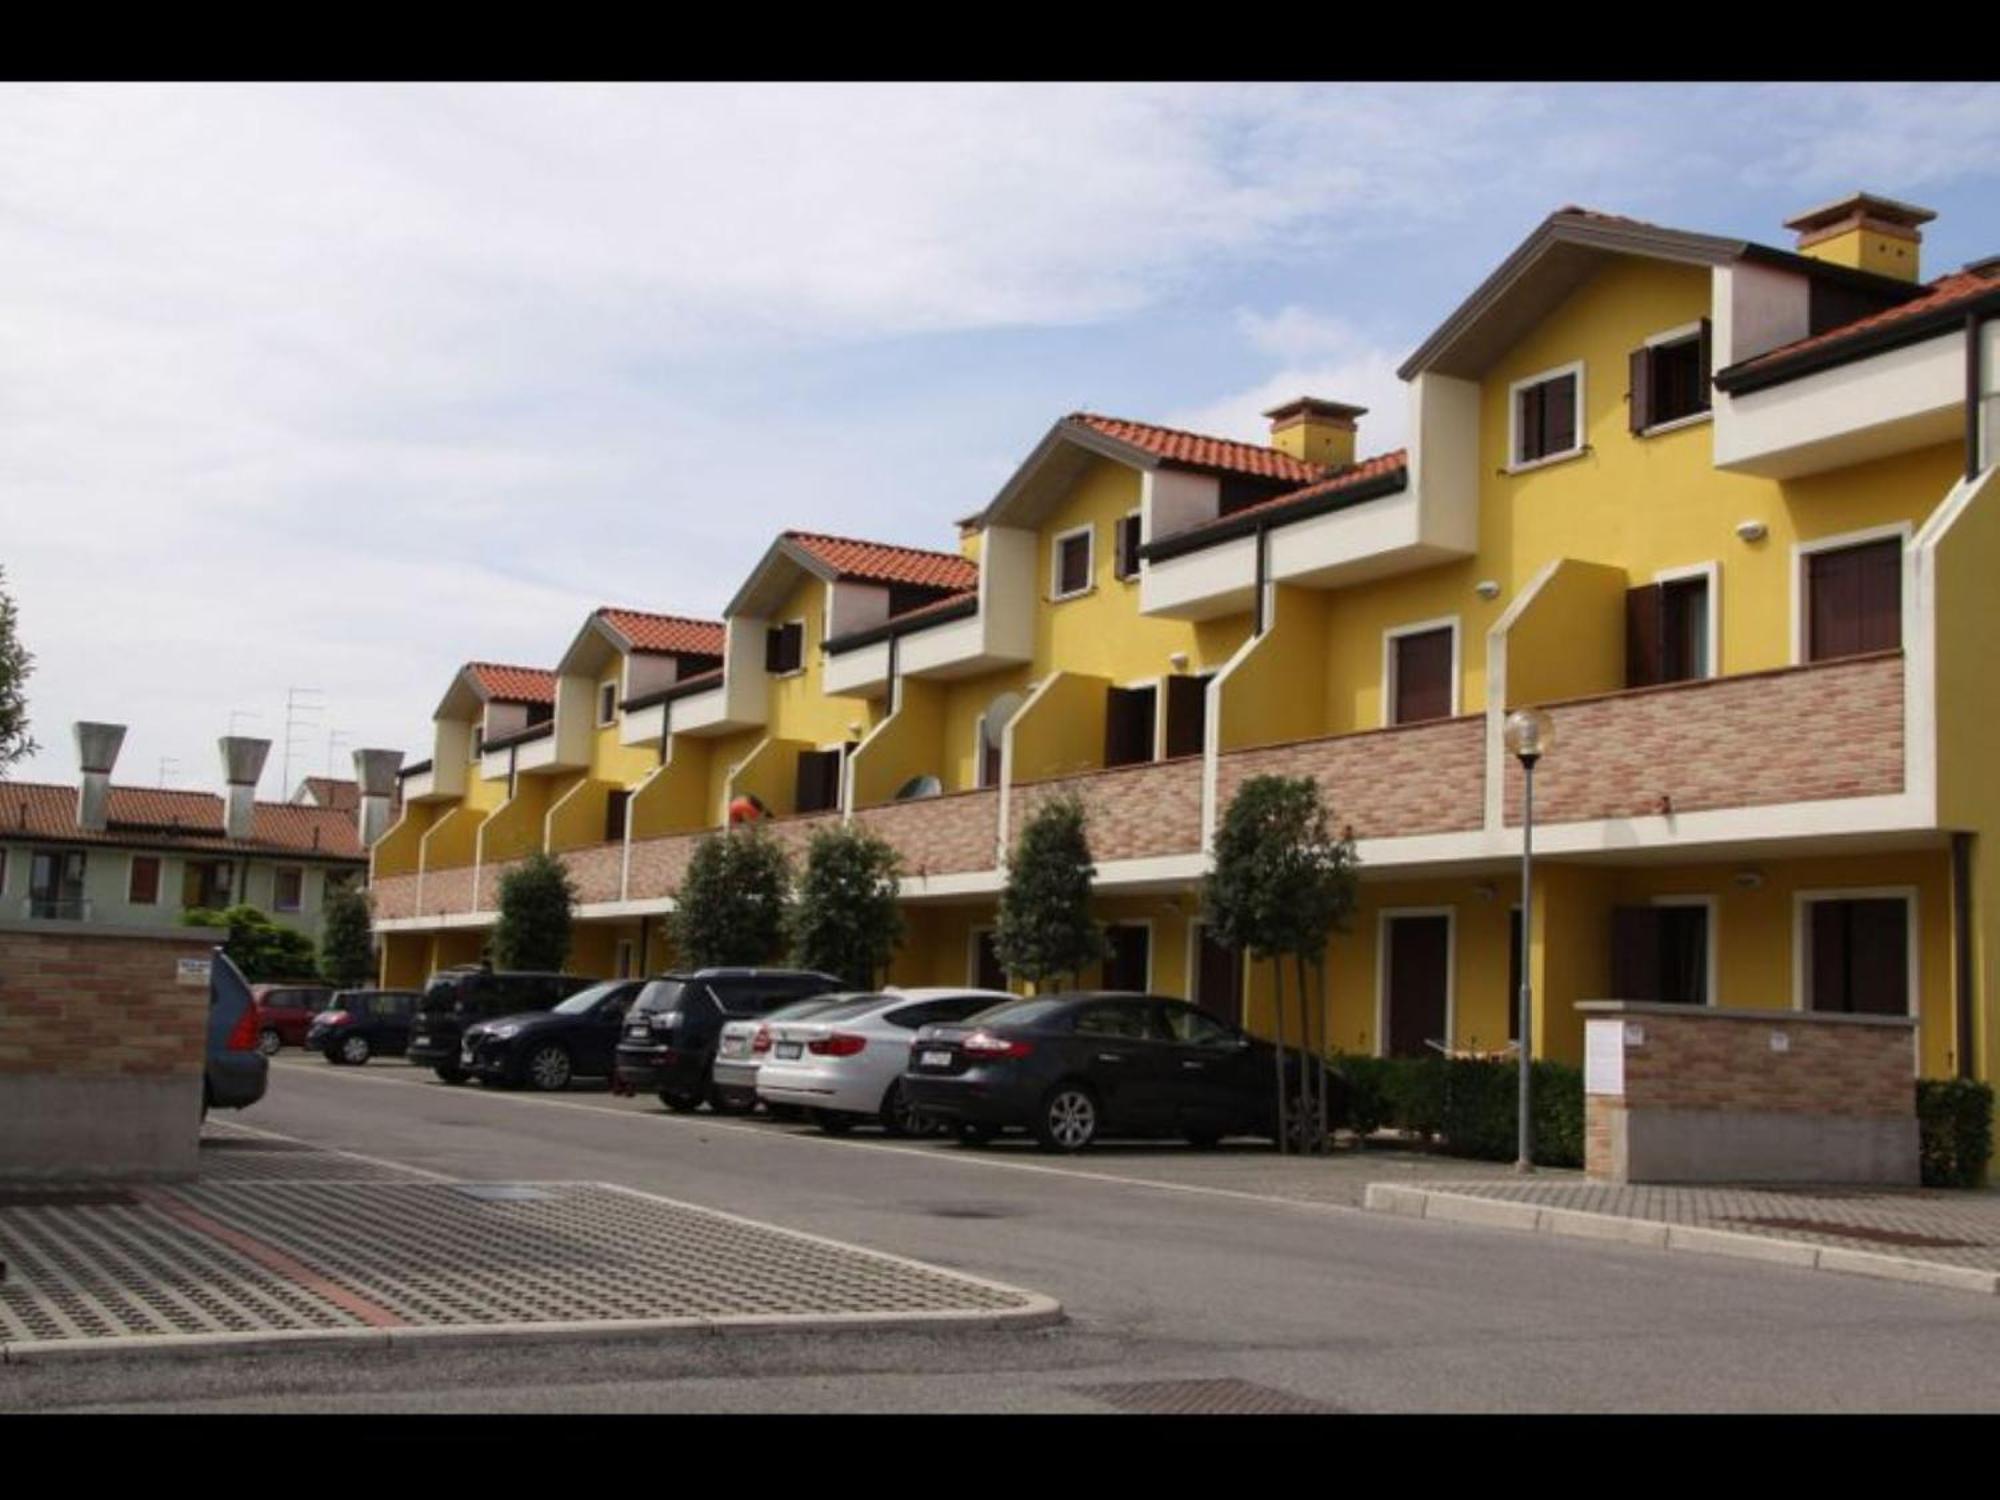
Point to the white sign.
(192, 971)
(1604, 1058)
(1780, 1042)
(1635, 1034)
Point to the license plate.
(789, 1049)
(733, 1047)
(935, 1060)
(639, 1032)
(420, 1040)
(465, 1054)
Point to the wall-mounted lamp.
(1487, 588)
(1750, 880)
(1752, 531)
(1178, 660)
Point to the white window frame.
(1089, 533)
(1711, 967)
(1802, 944)
(1450, 914)
(1713, 573)
(1152, 947)
(1679, 335)
(1515, 463)
(805, 645)
(276, 871)
(610, 687)
(131, 860)
(1116, 527)
(1802, 593)
(1422, 627)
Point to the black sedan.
(359, 1024)
(1073, 1069)
(547, 1048)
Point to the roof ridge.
(508, 666)
(654, 614)
(857, 541)
(1206, 437)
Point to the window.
(209, 883)
(1129, 965)
(1422, 673)
(785, 648)
(1661, 953)
(817, 788)
(607, 704)
(55, 884)
(1191, 1028)
(1857, 956)
(1126, 566)
(1072, 563)
(1133, 1020)
(1187, 715)
(614, 816)
(288, 885)
(1670, 378)
(1129, 717)
(540, 713)
(142, 886)
(1666, 632)
(1854, 599)
(1546, 415)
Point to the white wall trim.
(1496, 690)
(1382, 919)
(1515, 464)
(1421, 627)
(1087, 531)
(1901, 530)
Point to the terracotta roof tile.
(1202, 452)
(1959, 286)
(331, 791)
(506, 684)
(880, 562)
(665, 633)
(152, 817)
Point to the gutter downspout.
(1961, 938)
(1263, 574)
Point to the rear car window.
(943, 1011)
(1134, 1020)
(1019, 1013)
(844, 1006)
(689, 997)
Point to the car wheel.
(902, 1118)
(1067, 1120)
(974, 1135)
(354, 1049)
(833, 1122)
(548, 1068)
(680, 1104)
(448, 1074)
(268, 1042)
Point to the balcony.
(955, 834)
(55, 908)
(1382, 783)
(1147, 811)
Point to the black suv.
(673, 1027)
(547, 1048)
(455, 998)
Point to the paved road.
(1356, 1311)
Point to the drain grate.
(1222, 1397)
(1873, 1235)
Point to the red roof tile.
(513, 684)
(879, 562)
(1348, 478)
(152, 817)
(1959, 286)
(1201, 452)
(665, 633)
(331, 791)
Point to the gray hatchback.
(237, 1070)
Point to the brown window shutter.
(614, 816)
(1128, 726)
(1559, 414)
(1423, 677)
(1128, 547)
(1829, 956)
(1833, 581)
(1643, 622)
(774, 648)
(1075, 565)
(1878, 957)
(1640, 412)
(1529, 442)
(1879, 585)
(1635, 953)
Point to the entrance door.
(1854, 600)
(1131, 959)
(1218, 980)
(1417, 977)
(986, 971)
(1187, 715)
(1128, 725)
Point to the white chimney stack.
(242, 764)
(97, 747)
(375, 773)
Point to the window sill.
(1547, 460)
(1079, 594)
(1693, 420)
(795, 672)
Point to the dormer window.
(1073, 564)
(607, 704)
(785, 648)
(1670, 378)
(1546, 417)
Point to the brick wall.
(1384, 783)
(1134, 811)
(1801, 734)
(939, 835)
(446, 892)
(659, 865)
(394, 896)
(489, 883)
(794, 833)
(597, 871)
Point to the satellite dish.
(994, 725)
(919, 786)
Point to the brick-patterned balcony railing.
(489, 883)
(1798, 734)
(1135, 812)
(660, 864)
(947, 835)
(394, 896)
(794, 832)
(447, 892)
(597, 870)
(1382, 783)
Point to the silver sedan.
(743, 1046)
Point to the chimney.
(1315, 431)
(242, 764)
(1865, 232)
(375, 773)
(97, 747)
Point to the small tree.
(847, 921)
(346, 947)
(732, 900)
(537, 898)
(258, 946)
(16, 662)
(1280, 887)
(1045, 930)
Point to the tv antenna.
(302, 711)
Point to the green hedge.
(1955, 1126)
(1468, 1107)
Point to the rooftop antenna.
(302, 710)
(334, 737)
(241, 713)
(170, 768)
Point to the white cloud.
(1321, 355)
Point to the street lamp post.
(1530, 735)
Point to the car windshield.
(1015, 1013)
(661, 994)
(583, 1000)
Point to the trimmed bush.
(1467, 1106)
(1955, 1130)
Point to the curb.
(1040, 1312)
(1570, 1223)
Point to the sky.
(335, 387)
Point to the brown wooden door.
(1423, 676)
(1187, 715)
(1218, 983)
(986, 971)
(1418, 980)
(1128, 726)
(1854, 600)
(1130, 963)
(818, 788)
(1860, 957)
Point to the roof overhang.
(597, 643)
(1059, 459)
(777, 573)
(464, 699)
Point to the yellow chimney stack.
(1864, 232)
(1315, 431)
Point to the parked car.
(845, 1065)
(744, 1045)
(1074, 1068)
(236, 1070)
(674, 1027)
(359, 1024)
(455, 998)
(548, 1048)
(285, 1013)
